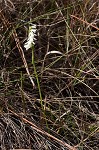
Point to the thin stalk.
(36, 75)
(38, 84)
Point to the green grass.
(63, 107)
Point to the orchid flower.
(31, 37)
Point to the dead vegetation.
(49, 96)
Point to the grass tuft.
(49, 94)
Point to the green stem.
(36, 75)
(38, 84)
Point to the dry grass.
(62, 110)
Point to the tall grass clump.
(49, 74)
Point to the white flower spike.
(31, 37)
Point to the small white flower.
(31, 37)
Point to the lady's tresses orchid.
(31, 40)
(31, 37)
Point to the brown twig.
(85, 22)
(22, 56)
